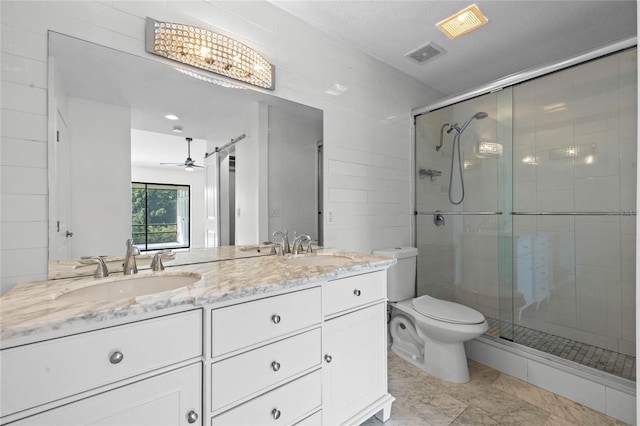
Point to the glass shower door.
(462, 156)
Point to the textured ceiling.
(520, 34)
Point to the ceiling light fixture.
(209, 51)
(171, 117)
(177, 129)
(463, 22)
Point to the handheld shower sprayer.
(456, 140)
(478, 116)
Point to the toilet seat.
(443, 310)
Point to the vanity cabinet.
(96, 368)
(354, 350)
(169, 399)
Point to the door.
(354, 371)
(169, 399)
(60, 226)
(212, 190)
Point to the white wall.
(100, 177)
(293, 174)
(366, 129)
(250, 161)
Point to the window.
(160, 215)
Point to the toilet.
(425, 331)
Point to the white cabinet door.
(354, 371)
(173, 398)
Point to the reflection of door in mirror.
(227, 173)
(60, 242)
(211, 200)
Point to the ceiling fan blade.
(173, 164)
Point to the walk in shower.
(526, 209)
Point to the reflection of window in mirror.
(160, 216)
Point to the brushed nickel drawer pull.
(116, 357)
(275, 413)
(192, 416)
(275, 318)
(275, 366)
(328, 358)
(357, 292)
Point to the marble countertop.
(33, 308)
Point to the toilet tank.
(401, 277)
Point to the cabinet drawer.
(246, 324)
(347, 293)
(47, 371)
(247, 374)
(281, 406)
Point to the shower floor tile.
(601, 359)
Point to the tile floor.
(490, 398)
(601, 359)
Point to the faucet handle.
(309, 249)
(156, 263)
(102, 271)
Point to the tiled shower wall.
(367, 129)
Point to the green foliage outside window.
(155, 214)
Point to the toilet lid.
(446, 311)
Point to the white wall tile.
(564, 384)
(24, 153)
(22, 207)
(501, 360)
(23, 125)
(21, 70)
(19, 97)
(24, 235)
(23, 180)
(620, 405)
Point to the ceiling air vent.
(425, 53)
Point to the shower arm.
(442, 135)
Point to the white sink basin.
(128, 287)
(323, 259)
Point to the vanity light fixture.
(209, 51)
(463, 22)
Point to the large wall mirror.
(109, 132)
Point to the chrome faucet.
(102, 271)
(285, 240)
(156, 263)
(297, 243)
(129, 266)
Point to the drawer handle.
(275, 318)
(275, 366)
(328, 358)
(192, 416)
(275, 413)
(116, 357)
(357, 292)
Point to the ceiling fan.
(189, 163)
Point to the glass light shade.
(209, 51)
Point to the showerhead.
(478, 115)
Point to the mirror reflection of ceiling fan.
(189, 163)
